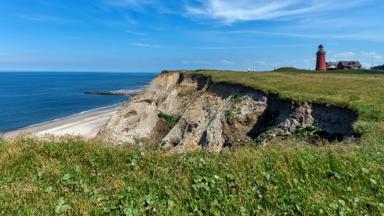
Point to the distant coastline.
(124, 92)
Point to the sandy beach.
(86, 125)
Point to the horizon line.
(70, 71)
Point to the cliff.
(185, 111)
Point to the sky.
(153, 35)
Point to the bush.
(380, 67)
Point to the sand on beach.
(86, 125)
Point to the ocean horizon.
(30, 98)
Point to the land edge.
(139, 121)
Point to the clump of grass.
(307, 132)
(169, 120)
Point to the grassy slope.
(86, 177)
(362, 92)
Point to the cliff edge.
(185, 111)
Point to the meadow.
(287, 176)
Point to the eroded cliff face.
(215, 116)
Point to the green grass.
(361, 91)
(355, 71)
(169, 120)
(83, 177)
(289, 69)
(78, 177)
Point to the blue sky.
(151, 35)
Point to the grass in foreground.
(83, 177)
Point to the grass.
(78, 177)
(86, 177)
(169, 120)
(358, 90)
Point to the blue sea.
(28, 98)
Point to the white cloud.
(371, 58)
(226, 62)
(146, 45)
(230, 11)
(362, 36)
(135, 33)
(344, 55)
(371, 55)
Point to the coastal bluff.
(184, 112)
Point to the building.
(351, 65)
(332, 65)
(344, 65)
(320, 59)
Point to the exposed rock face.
(215, 116)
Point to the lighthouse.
(320, 60)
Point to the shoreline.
(85, 124)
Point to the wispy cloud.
(37, 17)
(226, 62)
(359, 35)
(252, 47)
(207, 62)
(127, 3)
(145, 45)
(344, 55)
(229, 11)
(372, 55)
(124, 7)
(135, 33)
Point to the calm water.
(31, 98)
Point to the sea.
(29, 98)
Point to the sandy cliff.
(215, 116)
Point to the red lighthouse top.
(321, 64)
(321, 49)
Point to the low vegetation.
(289, 69)
(169, 120)
(77, 177)
(286, 176)
(380, 67)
